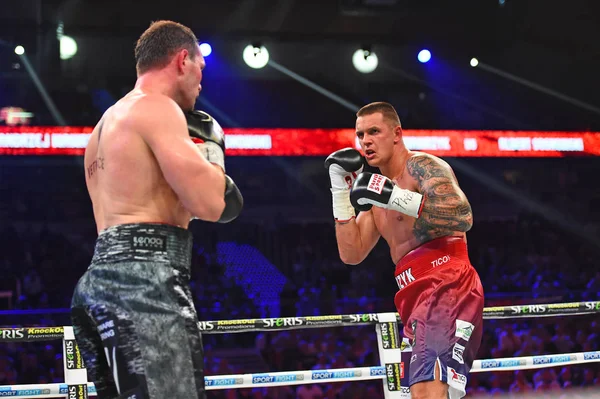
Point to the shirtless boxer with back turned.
(417, 206)
(152, 164)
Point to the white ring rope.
(76, 379)
(258, 380)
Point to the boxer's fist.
(373, 189)
(208, 135)
(234, 202)
(343, 166)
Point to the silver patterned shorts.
(134, 318)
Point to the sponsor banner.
(541, 310)
(32, 140)
(24, 392)
(394, 373)
(268, 378)
(592, 356)
(226, 381)
(234, 325)
(289, 323)
(389, 335)
(77, 391)
(44, 390)
(13, 334)
(552, 359)
(30, 334)
(406, 358)
(534, 362)
(364, 318)
(63, 389)
(323, 321)
(43, 333)
(503, 363)
(73, 357)
(285, 323)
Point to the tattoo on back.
(97, 164)
(446, 209)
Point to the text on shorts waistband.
(429, 256)
(143, 241)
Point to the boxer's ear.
(397, 134)
(181, 58)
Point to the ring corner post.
(74, 368)
(394, 357)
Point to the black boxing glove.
(344, 166)
(373, 189)
(208, 135)
(234, 202)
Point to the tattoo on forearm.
(446, 210)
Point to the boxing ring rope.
(394, 353)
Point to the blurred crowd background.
(280, 259)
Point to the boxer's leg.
(116, 358)
(170, 339)
(446, 330)
(92, 352)
(140, 318)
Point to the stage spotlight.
(474, 62)
(19, 50)
(424, 56)
(256, 56)
(68, 47)
(365, 61)
(205, 49)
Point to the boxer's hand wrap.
(208, 135)
(373, 189)
(344, 166)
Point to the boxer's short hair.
(386, 109)
(160, 42)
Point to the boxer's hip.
(436, 268)
(429, 258)
(160, 243)
(137, 262)
(135, 301)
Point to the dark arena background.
(506, 91)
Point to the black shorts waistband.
(144, 242)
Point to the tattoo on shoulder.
(446, 209)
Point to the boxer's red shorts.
(440, 302)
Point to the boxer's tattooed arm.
(446, 209)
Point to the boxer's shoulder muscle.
(446, 210)
(147, 107)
